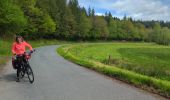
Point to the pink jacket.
(19, 48)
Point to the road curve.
(59, 79)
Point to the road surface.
(59, 79)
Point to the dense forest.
(62, 19)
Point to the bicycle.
(23, 66)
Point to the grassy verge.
(155, 85)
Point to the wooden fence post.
(109, 59)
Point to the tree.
(67, 24)
(89, 12)
(39, 22)
(47, 25)
(113, 29)
(84, 26)
(108, 18)
(164, 36)
(154, 36)
(12, 19)
(65, 19)
(125, 17)
(100, 28)
(93, 13)
(83, 11)
(129, 29)
(143, 34)
(75, 9)
(70, 24)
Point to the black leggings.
(18, 71)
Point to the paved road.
(58, 79)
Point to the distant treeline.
(62, 19)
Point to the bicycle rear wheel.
(22, 72)
(30, 74)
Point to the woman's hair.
(17, 37)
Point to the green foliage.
(156, 32)
(5, 48)
(64, 19)
(84, 26)
(67, 26)
(148, 61)
(99, 29)
(160, 35)
(164, 37)
(73, 5)
(108, 18)
(38, 21)
(12, 19)
(48, 24)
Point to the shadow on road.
(9, 77)
(12, 78)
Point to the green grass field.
(5, 47)
(5, 51)
(145, 65)
(147, 59)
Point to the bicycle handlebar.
(30, 52)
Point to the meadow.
(145, 65)
(144, 58)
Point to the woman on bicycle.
(18, 48)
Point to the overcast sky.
(137, 9)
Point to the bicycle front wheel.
(30, 74)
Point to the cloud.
(143, 9)
(138, 9)
(99, 14)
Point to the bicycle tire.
(30, 74)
